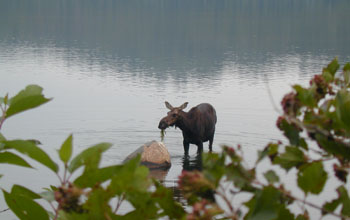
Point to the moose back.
(197, 125)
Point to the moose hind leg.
(200, 147)
(186, 146)
(211, 139)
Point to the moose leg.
(211, 139)
(200, 147)
(186, 146)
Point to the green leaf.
(271, 176)
(284, 214)
(98, 204)
(93, 176)
(304, 216)
(240, 176)
(327, 75)
(331, 206)
(131, 177)
(51, 215)
(10, 158)
(165, 199)
(53, 188)
(22, 191)
(333, 66)
(74, 216)
(292, 133)
(34, 141)
(25, 208)
(270, 150)
(2, 138)
(344, 198)
(213, 167)
(312, 177)
(292, 157)
(264, 205)
(48, 196)
(346, 73)
(4, 100)
(306, 96)
(145, 207)
(90, 157)
(342, 107)
(333, 146)
(28, 98)
(65, 151)
(30, 149)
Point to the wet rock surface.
(154, 155)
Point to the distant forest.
(258, 24)
(150, 30)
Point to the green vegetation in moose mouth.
(162, 134)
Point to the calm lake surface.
(110, 65)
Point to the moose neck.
(182, 123)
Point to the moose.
(197, 125)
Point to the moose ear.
(167, 104)
(183, 106)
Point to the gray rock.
(154, 155)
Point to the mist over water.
(110, 65)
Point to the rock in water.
(154, 155)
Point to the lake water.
(110, 65)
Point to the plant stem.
(56, 215)
(268, 89)
(228, 203)
(2, 121)
(120, 200)
(3, 117)
(65, 174)
(70, 174)
(4, 210)
(55, 210)
(61, 181)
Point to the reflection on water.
(111, 64)
(189, 163)
(192, 163)
(159, 174)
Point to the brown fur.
(197, 125)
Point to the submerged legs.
(186, 146)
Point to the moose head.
(174, 115)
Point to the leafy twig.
(226, 200)
(294, 198)
(270, 95)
